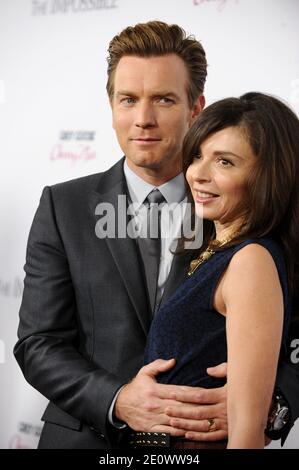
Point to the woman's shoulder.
(251, 274)
(251, 255)
(256, 256)
(256, 250)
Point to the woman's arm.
(253, 302)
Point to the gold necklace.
(209, 251)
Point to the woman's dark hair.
(272, 130)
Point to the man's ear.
(198, 107)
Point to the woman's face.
(218, 175)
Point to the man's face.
(151, 114)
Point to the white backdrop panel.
(52, 86)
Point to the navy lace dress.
(189, 329)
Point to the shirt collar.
(173, 190)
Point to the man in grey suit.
(88, 298)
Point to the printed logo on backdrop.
(74, 146)
(2, 351)
(27, 436)
(9, 289)
(55, 7)
(12, 288)
(219, 3)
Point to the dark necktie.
(150, 246)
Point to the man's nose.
(145, 115)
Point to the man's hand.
(204, 405)
(148, 406)
(142, 402)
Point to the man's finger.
(157, 366)
(201, 396)
(219, 371)
(192, 412)
(175, 432)
(206, 436)
(202, 425)
(168, 391)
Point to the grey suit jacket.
(84, 316)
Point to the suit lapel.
(124, 251)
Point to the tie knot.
(155, 197)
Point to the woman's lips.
(203, 197)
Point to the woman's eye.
(225, 162)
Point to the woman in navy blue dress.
(241, 160)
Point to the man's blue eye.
(128, 100)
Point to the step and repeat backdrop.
(55, 121)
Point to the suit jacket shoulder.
(101, 182)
